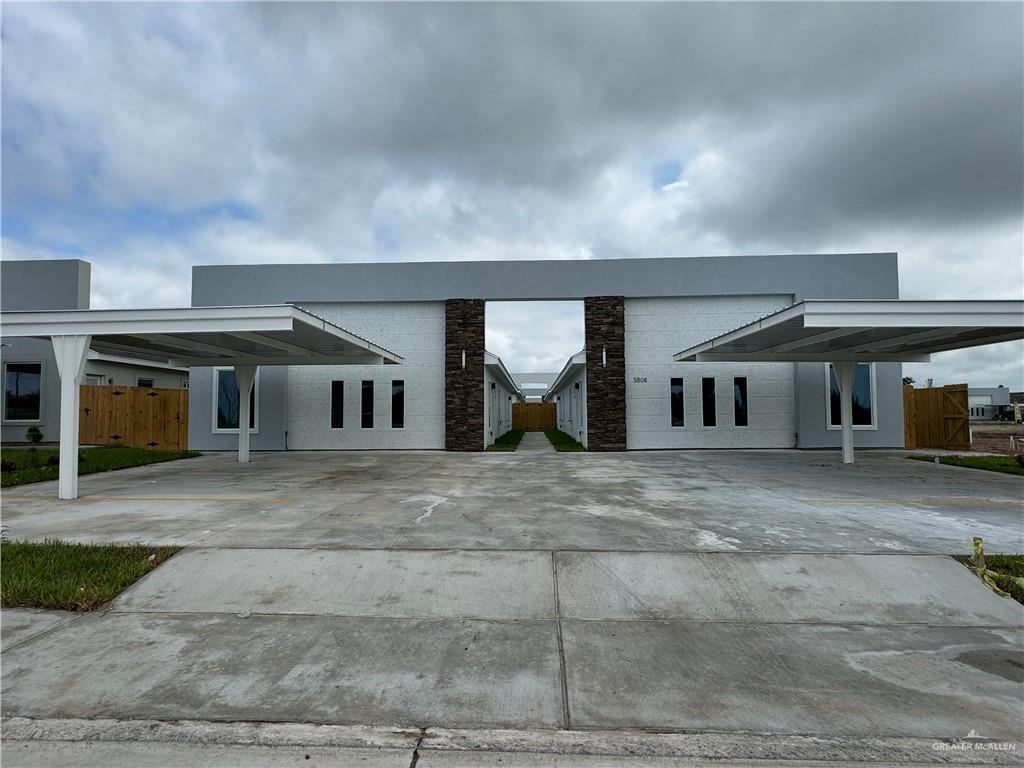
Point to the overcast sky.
(150, 138)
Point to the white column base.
(70, 352)
(846, 372)
(245, 376)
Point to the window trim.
(373, 402)
(215, 390)
(746, 397)
(148, 378)
(682, 386)
(42, 392)
(872, 383)
(330, 407)
(391, 404)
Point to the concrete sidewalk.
(535, 442)
(841, 646)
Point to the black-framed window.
(739, 401)
(23, 386)
(862, 397)
(337, 404)
(397, 404)
(707, 401)
(678, 403)
(228, 400)
(367, 405)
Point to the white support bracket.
(245, 377)
(70, 353)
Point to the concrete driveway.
(741, 596)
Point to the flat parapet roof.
(865, 330)
(278, 334)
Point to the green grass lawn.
(563, 442)
(1007, 572)
(101, 459)
(507, 442)
(1005, 464)
(72, 577)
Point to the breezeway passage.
(747, 592)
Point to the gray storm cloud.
(147, 138)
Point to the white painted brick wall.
(658, 328)
(414, 330)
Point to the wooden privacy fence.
(533, 417)
(140, 417)
(936, 417)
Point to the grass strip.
(563, 442)
(21, 466)
(507, 442)
(72, 577)
(1005, 464)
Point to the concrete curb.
(633, 744)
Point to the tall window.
(677, 403)
(367, 405)
(337, 404)
(227, 402)
(739, 401)
(397, 404)
(707, 401)
(863, 397)
(22, 391)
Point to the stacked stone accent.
(464, 387)
(604, 322)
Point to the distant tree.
(908, 380)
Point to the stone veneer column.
(604, 328)
(464, 386)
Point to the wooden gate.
(533, 417)
(140, 417)
(936, 417)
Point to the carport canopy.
(848, 332)
(240, 337)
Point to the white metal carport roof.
(241, 337)
(846, 332)
(277, 334)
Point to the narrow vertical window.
(337, 404)
(707, 400)
(739, 400)
(397, 404)
(677, 403)
(367, 405)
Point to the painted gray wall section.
(811, 409)
(53, 284)
(30, 285)
(272, 402)
(831, 276)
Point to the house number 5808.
(639, 379)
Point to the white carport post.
(245, 377)
(70, 352)
(846, 371)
